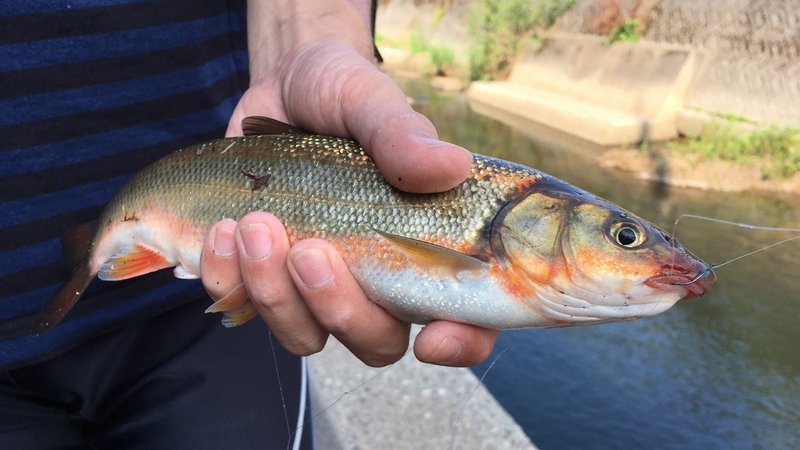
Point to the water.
(719, 372)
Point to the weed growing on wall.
(500, 27)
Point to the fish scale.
(338, 191)
(509, 247)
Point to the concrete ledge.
(607, 94)
(692, 122)
(408, 405)
(597, 124)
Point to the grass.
(776, 148)
(627, 31)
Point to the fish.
(510, 247)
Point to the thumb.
(410, 155)
(352, 97)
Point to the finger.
(454, 344)
(416, 161)
(219, 261)
(339, 304)
(262, 245)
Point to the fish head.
(588, 260)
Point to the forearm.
(279, 27)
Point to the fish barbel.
(510, 247)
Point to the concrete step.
(408, 405)
(591, 122)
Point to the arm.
(311, 64)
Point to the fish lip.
(696, 279)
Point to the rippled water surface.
(719, 372)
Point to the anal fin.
(239, 316)
(236, 305)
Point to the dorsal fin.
(264, 126)
(434, 258)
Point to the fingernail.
(437, 144)
(450, 349)
(224, 241)
(257, 239)
(313, 268)
(429, 141)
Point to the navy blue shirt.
(91, 91)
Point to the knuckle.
(305, 347)
(312, 347)
(341, 321)
(385, 355)
(213, 288)
(268, 299)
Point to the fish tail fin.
(63, 301)
(236, 305)
(76, 243)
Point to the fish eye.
(627, 234)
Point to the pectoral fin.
(434, 257)
(131, 262)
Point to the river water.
(719, 372)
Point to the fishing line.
(457, 416)
(735, 224)
(746, 226)
(379, 372)
(280, 389)
(301, 413)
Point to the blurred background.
(666, 107)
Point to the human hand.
(318, 74)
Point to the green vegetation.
(619, 20)
(627, 31)
(500, 27)
(777, 148)
(442, 57)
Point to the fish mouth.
(697, 279)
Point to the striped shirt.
(91, 91)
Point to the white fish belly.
(414, 295)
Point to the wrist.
(278, 30)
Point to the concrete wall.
(753, 51)
(607, 94)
